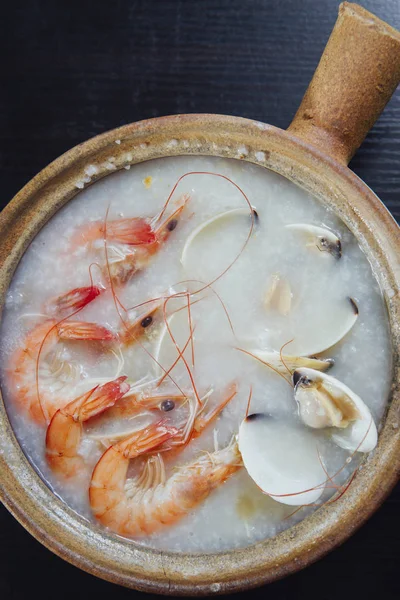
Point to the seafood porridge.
(195, 354)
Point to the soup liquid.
(237, 513)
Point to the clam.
(324, 401)
(284, 363)
(279, 295)
(321, 238)
(282, 459)
(210, 224)
(312, 336)
(320, 338)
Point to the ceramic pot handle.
(356, 76)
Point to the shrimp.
(32, 364)
(148, 502)
(64, 432)
(123, 261)
(133, 231)
(151, 501)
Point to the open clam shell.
(320, 339)
(281, 459)
(210, 228)
(315, 334)
(321, 238)
(324, 401)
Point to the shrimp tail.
(73, 300)
(80, 330)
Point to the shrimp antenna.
(93, 264)
(168, 371)
(248, 401)
(190, 328)
(348, 460)
(281, 357)
(209, 286)
(329, 478)
(264, 363)
(177, 346)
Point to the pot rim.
(94, 550)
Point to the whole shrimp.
(39, 387)
(150, 501)
(133, 231)
(64, 432)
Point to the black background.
(71, 70)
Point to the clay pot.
(358, 72)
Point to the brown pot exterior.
(127, 563)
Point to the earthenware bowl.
(357, 74)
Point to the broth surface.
(237, 514)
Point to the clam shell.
(321, 238)
(281, 459)
(217, 219)
(336, 328)
(324, 401)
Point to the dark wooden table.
(71, 70)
